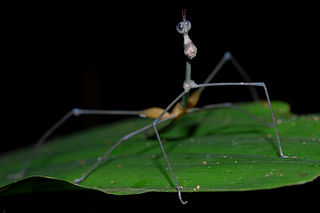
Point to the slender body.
(184, 103)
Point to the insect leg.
(261, 84)
(106, 154)
(229, 57)
(161, 145)
(73, 112)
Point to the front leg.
(155, 123)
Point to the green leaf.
(210, 150)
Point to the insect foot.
(180, 198)
(284, 156)
(79, 180)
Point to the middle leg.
(260, 84)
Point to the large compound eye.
(188, 24)
(181, 26)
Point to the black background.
(107, 56)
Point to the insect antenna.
(184, 14)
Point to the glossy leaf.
(210, 150)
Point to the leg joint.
(76, 112)
(227, 56)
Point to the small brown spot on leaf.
(303, 174)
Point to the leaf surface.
(210, 150)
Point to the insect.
(183, 104)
